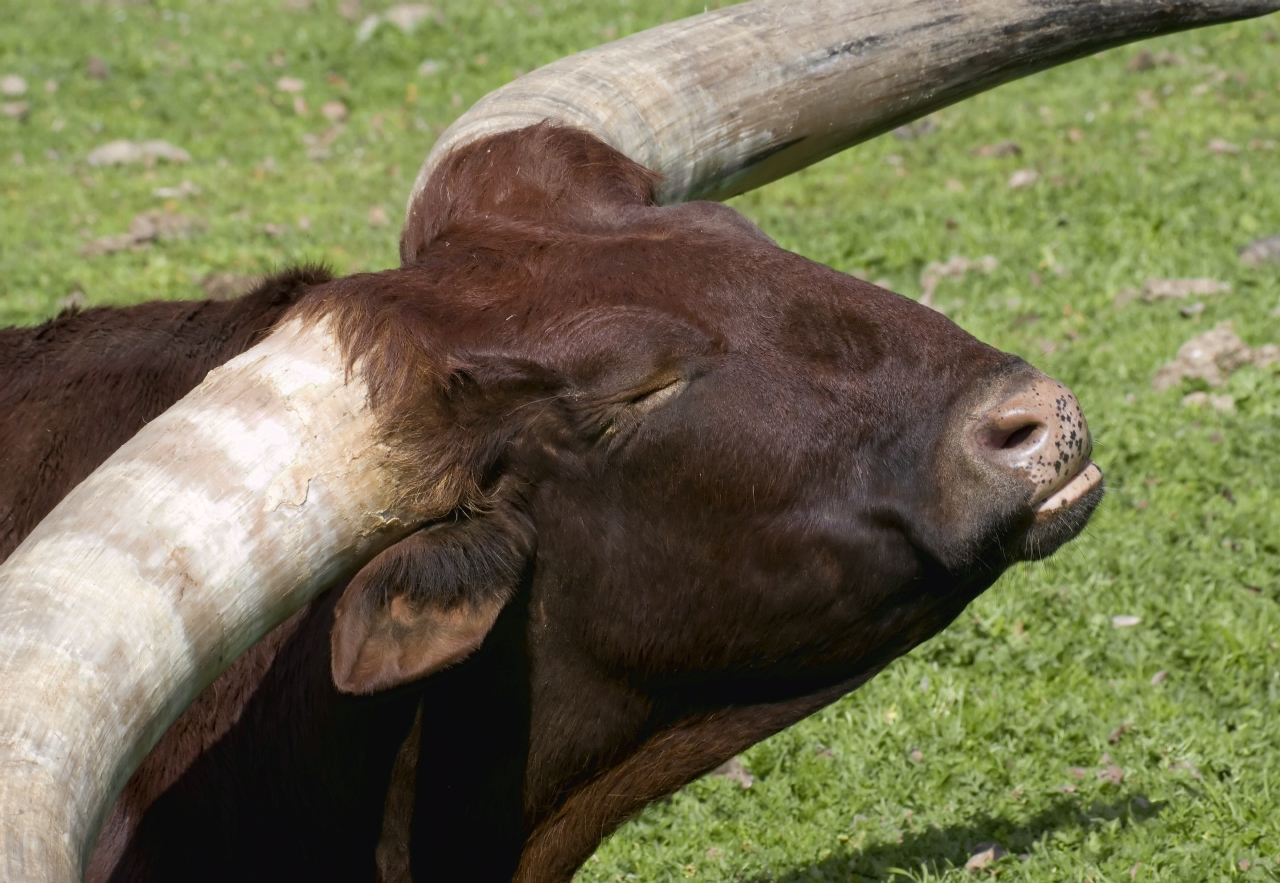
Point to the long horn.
(223, 516)
(270, 479)
(732, 99)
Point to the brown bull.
(689, 486)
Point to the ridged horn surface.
(731, 99)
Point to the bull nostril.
(1035, 433)
(1009, 434)
(1017, 437)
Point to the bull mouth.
(1077, 488)
(1062, 515)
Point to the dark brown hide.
(710, 479)
(730, 456)
(81, 385)
(287, 774)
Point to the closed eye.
(630, 412)
(650, 400)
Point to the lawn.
(1108, 715)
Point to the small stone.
(429, 67)
(161, 225)
(984, 854)
(1159, 677)
(96, 68)
(378, 217)
(15, 109)
(1112, 775)
(1143, 61)
(186, 188)
(1125, 621)
(1124, 297)
(1223, 404)
(407, 16)
(115, 153)
(291, 85)
(1261, 251)
(75, 301)
(734, 770)
(12, 85)
(1119, 733)
(367, 28)
(1023, 178)
(1194, 309)
(334, 111)
(1220, 147)
(999, 150)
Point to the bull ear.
(428, 601)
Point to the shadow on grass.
(928, 852)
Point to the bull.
(687, 486)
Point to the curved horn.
(732, 99)
(227, 513)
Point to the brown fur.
(90, 380)
(543, 301)
(200, 727)
(664, 763)
(700, 473)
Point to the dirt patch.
(956, 268)
(144, 229)
(1261, 251)
(1155, 290)
(118, 153)
(1212, 357)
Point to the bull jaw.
(1070, 493)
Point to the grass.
(973, 737)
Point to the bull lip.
(1070, 493)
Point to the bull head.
(286, 469)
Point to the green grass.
(1031, 681)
